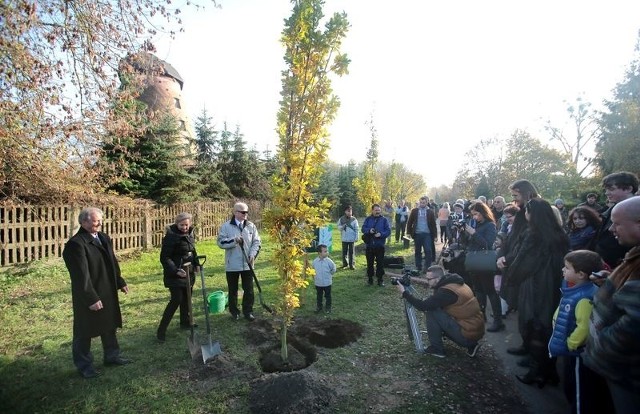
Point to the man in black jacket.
(617, 187)
(95, 280)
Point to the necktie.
(97, 239)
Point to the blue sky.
(437, 76)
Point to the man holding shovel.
(241, 242)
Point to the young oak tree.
(307, 107)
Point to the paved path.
(548, 400)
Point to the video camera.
(405, 279)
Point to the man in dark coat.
(95, 280)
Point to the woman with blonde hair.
(443, 220)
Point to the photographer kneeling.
(452, 310)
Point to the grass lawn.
(381, 372)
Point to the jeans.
(439, 322)
(423, 242)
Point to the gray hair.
(88, 212)
(183, 216)
(438, 271)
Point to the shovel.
(192, 341)
(212, 349)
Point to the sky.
(435, 77)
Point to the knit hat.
(558, 201)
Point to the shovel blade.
(194, 346)
(210, 351)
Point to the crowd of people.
(572, 277)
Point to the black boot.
(533, 376)
(497, 325)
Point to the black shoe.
(381, 283)
(496, 327)
(524, 362)
(531, 378)
(328, 310)
(352, 268)
(318, 310)
(370, 282)
(250, 317)
(161, 336)
(89, 373)
(519, 351)
(235, 316)
(117, 361)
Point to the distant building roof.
(145, 61)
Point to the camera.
(460, 224)
(406, 277)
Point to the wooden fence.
(30, 233)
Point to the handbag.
(481, 261)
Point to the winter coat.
(566, 339)
(412, 223)
(456, 298)
(483, 238)
(613, 348)
(177, 249)
(324, 268)
(401, 215)
(95, 276)
(537, 271)
(606, 244)
(348, 229)
(581, 238)
(234, 259)
(381, 225)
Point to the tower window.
(183, 126)
(176, 101)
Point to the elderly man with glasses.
(451, 310)
(241, 243)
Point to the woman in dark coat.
(178, 249)
(482, 237)
(537, 271)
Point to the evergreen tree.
(213, 187)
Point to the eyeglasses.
(241, 212)
(507, 216)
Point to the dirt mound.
(290, 393)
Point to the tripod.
(412, 322)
